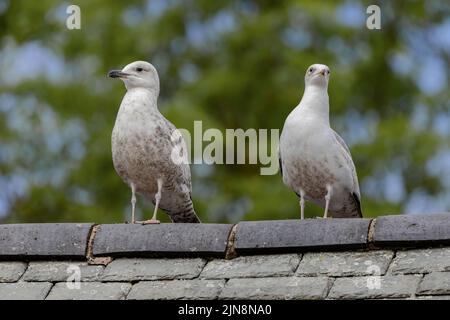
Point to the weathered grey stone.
(340, 264)
(252, 266)
(24, 290)
(176, 289)
(166, 239)
(152, 269)
(374, 287)
(295, 235)
(59, 271)
(412, 230)
(435, 283)
(276, 288)
(44, 240)
(11, 271)
(90, 291)
(431, 298)
(421, 261)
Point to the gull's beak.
(117, 74)
(322, 72)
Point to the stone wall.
(399, 257)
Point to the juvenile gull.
(142, 147)
(314, 160)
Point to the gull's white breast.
(141, 145)
(312, 158)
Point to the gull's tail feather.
(185, 217)
(351, 210)
(358, 205)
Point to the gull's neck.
(315, 101)
(143, 97)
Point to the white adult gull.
(314, 160)
(143, 144)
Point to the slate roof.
(391, 257)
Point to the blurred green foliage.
(231, 64)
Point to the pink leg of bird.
(157, 200)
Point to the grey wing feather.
(280, 163)
(356, 193)
(342, 143)
(184, 167)
(188, 214)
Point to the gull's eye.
(311, 70)
(138, 69)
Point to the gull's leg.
(157, 200)
(133, 202)
(327, 200)
(302, 204)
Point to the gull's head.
(138, 74)
(317, 75)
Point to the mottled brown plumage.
(146, 147)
